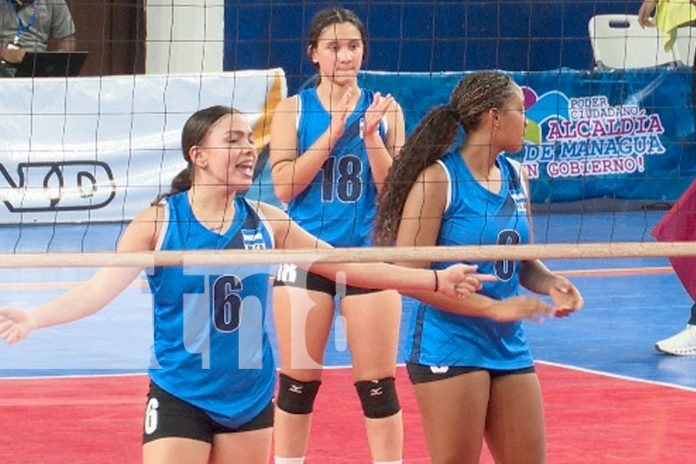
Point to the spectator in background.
(668, 18)
(27, 25)
(679, 224)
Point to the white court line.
(72, 376)
(616, 376)
(548, 363)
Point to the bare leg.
(454, 416)
(515, 430)
(372, 323)
(303, 321)
(176, 451)
(253, 447)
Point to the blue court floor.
(629, 304)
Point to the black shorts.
(292, 275)
(167, 416)
(419, 373)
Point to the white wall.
(184, 36)
(686, 44)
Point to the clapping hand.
(339, 115)
(375, 112)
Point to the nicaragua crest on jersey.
(253, 239)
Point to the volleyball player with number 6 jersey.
(331, 148)
(213, 375)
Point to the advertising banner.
(102, 149)
(618, 135)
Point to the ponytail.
(180, 183)
(470, 99)
(430, 140)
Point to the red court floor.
(591, 418)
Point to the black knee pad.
(295, 396)
(378, 397)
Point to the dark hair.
(471, 98)
(331, 16)
(194, 132)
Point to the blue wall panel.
(410, 35)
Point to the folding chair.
(618, 42)
(686, 44)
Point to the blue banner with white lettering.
(618, 135)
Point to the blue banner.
(617, 135)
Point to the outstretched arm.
(420, 226)
(456, 281)
(88, 298)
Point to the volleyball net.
(603, 143)
(610, 152)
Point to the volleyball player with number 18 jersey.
(331, 148)
(339, 204)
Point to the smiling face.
(339, 52)
(226, 156)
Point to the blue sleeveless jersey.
(340, 203)
(476, 216)
(210, 347)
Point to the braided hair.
(473, 96)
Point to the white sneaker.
(681, 344)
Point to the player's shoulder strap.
(516, 175)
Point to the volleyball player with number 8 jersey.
(473, 377)
(331, 148)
